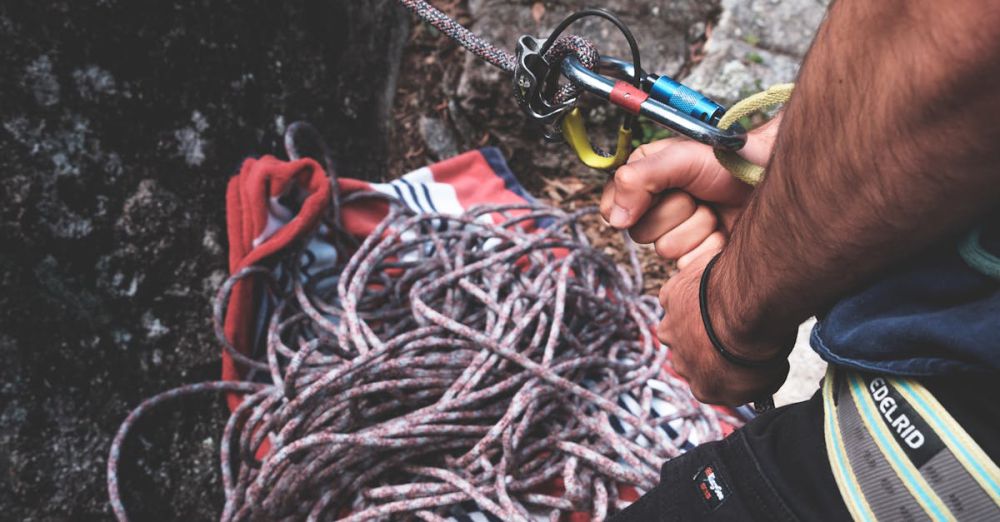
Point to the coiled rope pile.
(450, 364)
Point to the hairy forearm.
(890, 142)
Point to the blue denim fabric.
(932, 316)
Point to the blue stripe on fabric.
(941, 429)
(413, 193)
(441, 224)
(839, 451)
(399, 194)
(887, 444)
(427, 196)
(496, 161)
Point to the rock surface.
(439, 138)
(756, 44)
(120, 124)
(662, 29)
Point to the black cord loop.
(716, 343)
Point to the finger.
(712, 244)
(672, 210)
(607, 200)
(684, 165)
(648, 149)
(688, 235)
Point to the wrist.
(743, 321)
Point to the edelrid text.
(905, 430)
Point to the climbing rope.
(740, 168)
(448, 364)
(561, 47)
(464, 37)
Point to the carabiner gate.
(696, 123)
(575, 132)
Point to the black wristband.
(719, 347)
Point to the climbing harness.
(897, 454)
(538, 65)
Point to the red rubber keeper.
(628, 97)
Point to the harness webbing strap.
(968, 453)
(896, 454)
(891, 496)
(841, 462)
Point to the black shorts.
(776, 468)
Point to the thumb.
(760, 142)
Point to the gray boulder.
(756, 44)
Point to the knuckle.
(665, 249)
(640, 152)
(677, 363)
(627, 177)
(662, 332)
(707, 215)
(700, 393)
(680, 202)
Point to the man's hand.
(674, 194)
(713, 379)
